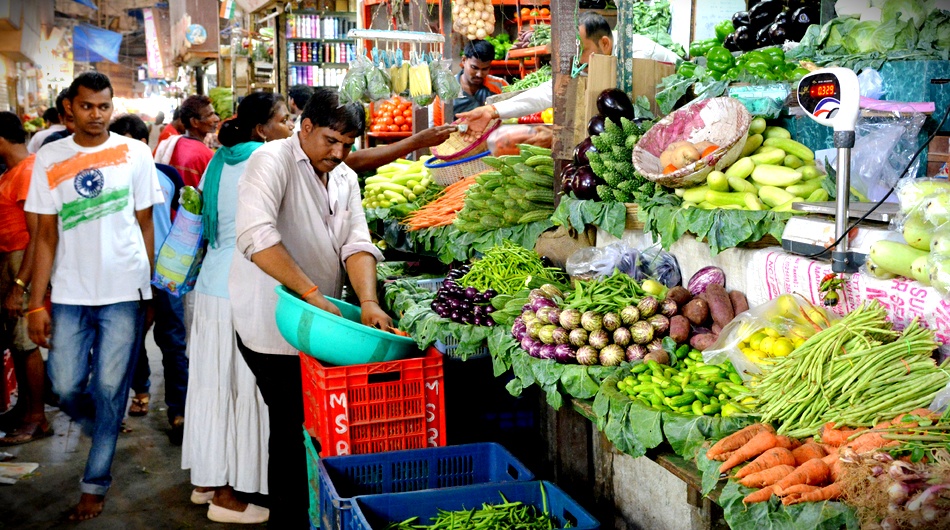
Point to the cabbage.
(914, 11)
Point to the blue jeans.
(169, 334)
(110, 332)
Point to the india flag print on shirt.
(85, 170)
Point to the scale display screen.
(822, 90)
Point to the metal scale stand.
(830, 96)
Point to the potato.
(679, 329)
(675, 145)
(701, 146)
(685, 155)
(720, 306)
(739, 302)
(666, 158)
(704, 341)
(659, 356)
(680, 295)
(696, 311)
(717, 329)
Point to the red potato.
(740, 304)
(696, 311)
(679, 329)
(720, 306)
(680, 295)
(704, 341)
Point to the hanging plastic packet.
(354, 82)
(420, 82)
(445, 84)
(378, 84)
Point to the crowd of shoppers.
(81, 224)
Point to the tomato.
(392, 128)
(545, 12)
(377, 128)
(399, 119)
(388, 120)
(535, 13)
(405, 127)
(525, 11)
(407, 113)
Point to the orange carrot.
(443, 209)
(761, 495)
(867, 442)
(835, 437)
(670, 168)
(786, 442)
(775, 456)
(736, 440)
(767, 477)
(797, 489)
(807, 452)
(759, 444)
(827, 493)
(834, 465)
(399, 332)
(814, 472)
(709, 150)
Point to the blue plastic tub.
(340, 341)
(345, 477)
(374, 512)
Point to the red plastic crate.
(370, 408)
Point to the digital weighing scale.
(830, 96)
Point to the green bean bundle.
(854, 373)
(612, 293)
(510, 515)
(507, 268)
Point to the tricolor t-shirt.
(95, 192)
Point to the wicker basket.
(445, 173)
(633, 218)
(458, 147)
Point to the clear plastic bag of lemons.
(754, 339)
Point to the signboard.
(153, 50)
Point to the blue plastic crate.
(430, 284)
(449, 344)
(373, 512)
(345, 477)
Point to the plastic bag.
(445, 85)
(871, 83)
(653, 263)
(378, 84)
(881, 152)
(354, 82)
(773, 329)
(180, 257)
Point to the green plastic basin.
(336, 340)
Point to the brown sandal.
(139, 405)
(27, 433)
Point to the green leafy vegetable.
(575, 213)
(826, 515)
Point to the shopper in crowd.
(155, 131)
(297, 98)
(174, 128)
(65, 133)
(188, 153)
(226, 425)
(299, 223)
(15, 274)
(595, 37)
(167, 311)
(94, 194)
(53, 116)
(477, 84)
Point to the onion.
(486, 15)
(480, 24)
(472, 28)
(897, 491)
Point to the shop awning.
(92, 44)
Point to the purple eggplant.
(585, 184)
(581, 150)
(564, 353)
(635, 352)
(568, 178)
(561, 336)
(614, 104)
(612, 355)
(596, 125)
(547, 351)
(587, 355)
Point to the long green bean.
(856, 372)
(504, 516)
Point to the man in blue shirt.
(168, 311)
(477, 85)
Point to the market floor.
(150, 490)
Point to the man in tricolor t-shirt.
(93, 193)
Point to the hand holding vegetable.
(317, 299)
(373, 316)
(433, 136)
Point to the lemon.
(798, 341)
(772, 333)
(750, 352)
(767, 344)
(782, 347)
(817, 316)
(786, 305)
(756, 339)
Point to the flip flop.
(139, 405)
(27, 433)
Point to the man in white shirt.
(595, 37)
(300, 224)
(56, 118)
(93, 193)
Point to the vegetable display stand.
(632, 221)
(376, 407)
(345, 477)
(374, 512)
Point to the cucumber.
(774, 157)
(793, 162)
(720, 198)
(787, 206)
(757, 126)
(810, 172)
(738, 184)
(774, 196)
(741, 168)
(695, 195)
(819, 195)
(776, 132)
(716, 180)
(804, 189)
(791, 147)
(752, 143)
(772, 175)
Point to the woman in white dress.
(226, 419)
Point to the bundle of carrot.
(854, 373)
(442, 210)
(781, 466)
